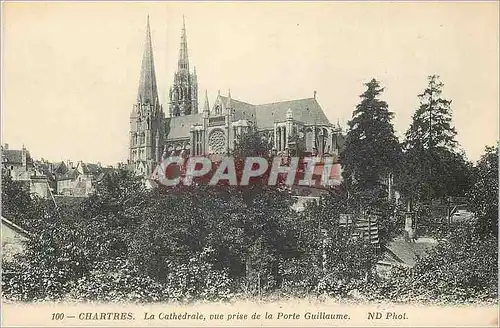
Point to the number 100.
(57, 316)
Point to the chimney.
(314, 94)
(409, 231)
(6, 146)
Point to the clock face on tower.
(217, 142)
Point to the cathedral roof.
(307, 111)
(178, 127)
(242, 110)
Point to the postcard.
(271, 164)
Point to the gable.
(61, 168)
(242, 110)
(70, 175)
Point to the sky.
(70, 71)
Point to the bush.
(462, 268)
(117, 280)
(197, 279)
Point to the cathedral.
(292, 128)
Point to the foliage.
(372, 150)
(435, 175)
(50, 262)
(184, 243)
(461, 268)
(197, 279)
(251, 144)
(165, 235)
(335, 262)
(116, 280)
(483, 196)
(433, 168)
(431, 126)
(25, 210)
(126, 243)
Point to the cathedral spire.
(206, 107)
(184, 91)
(148, 90)
(228, 103)
(183, 51)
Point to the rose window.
(217, 142)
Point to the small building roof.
(15, 156)
(15, 227)
(72, 174)
(406, 252)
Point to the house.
(53, 171)
(13, 238)
(81, 179)
(19, 165)
(403, 253)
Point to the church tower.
(147, 115)
(184, 91)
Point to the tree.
(431, 127)
(372, 150)
(251, 144)
(68, 243)
(483, 197)
(433, 167)
(328, 258)
(20, 207)
(451, 174)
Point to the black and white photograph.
(330, 163)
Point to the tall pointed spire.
(228, 103)
(148, 90)
(184, 91)
(183, 51)
(206, 107)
